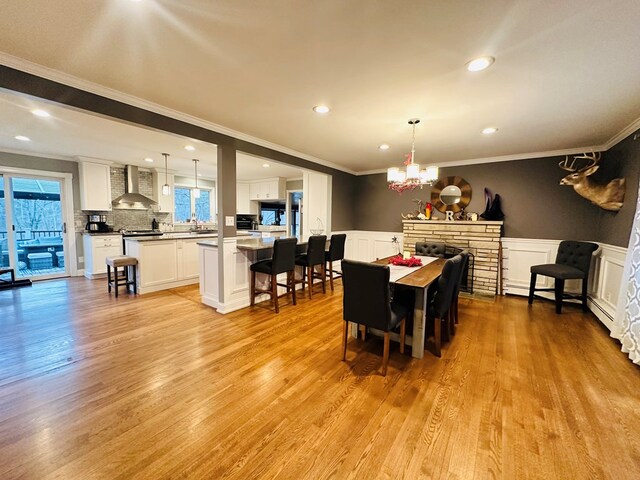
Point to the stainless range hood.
(132, 198)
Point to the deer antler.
(593, 159)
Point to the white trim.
(53, 156)
(87, 86)
(624, 133)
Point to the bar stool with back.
(335, 253)
(315, 256)
(283, 260)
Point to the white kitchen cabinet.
(166, 203)
(244, 204)
(95, 186)
(272, 189)
(188, 265)
(96, 249)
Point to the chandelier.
(411, 177)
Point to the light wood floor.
(160, 386)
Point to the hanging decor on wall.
(609, 196)
(493, 210)
(411, 177)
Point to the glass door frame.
(66, 197)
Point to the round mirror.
(450, 195)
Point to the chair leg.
(403, 334)
(385, 354)
(363, 332)
(310, 279)
(304, 278)
(135, 279)
(109, 277)
(331, 275)
(324, 277)
(274, 292)
(437, 333)
(452, 322)
(532, 287)
(559, 290)
(445, 330)
(293, 286)
(345, 334)
(585, 308)
(253, 288)
(115, 279)
(455, 311)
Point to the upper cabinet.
(273, 189)
(95, 186)
(165, 202)
(243, 199)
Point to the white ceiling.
(70, 133)
(566, 72)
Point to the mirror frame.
(465, 196)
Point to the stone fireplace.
(481, 238)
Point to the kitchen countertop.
(171, 236)
(98, 234)
(254, 243)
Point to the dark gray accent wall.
(622, 160)
(534, 203)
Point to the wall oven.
(245, 222)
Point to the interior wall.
(533, 201)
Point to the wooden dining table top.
(421, 277)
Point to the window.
(186, 204)
(273, 214)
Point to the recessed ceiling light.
(479, 64)
(22, 138)
(321, 109)
(489, 130)
(265, 165)
(40, 113)
(148, 159)
(191, 148)
(384, 146)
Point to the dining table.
(419, 279)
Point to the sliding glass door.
(32, 227)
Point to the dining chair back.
(440, 306)
(284, 255)
(431, 249)
(458, 285)
(367, 301)
(335, 253)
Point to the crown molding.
(624, 133)
(91, 87)
(29, 153)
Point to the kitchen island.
(166, 261)
(238, 255)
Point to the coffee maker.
(98, 223)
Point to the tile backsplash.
(128, 219)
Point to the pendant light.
(166, 189)
(412, 176)
(196, 191)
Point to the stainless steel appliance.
(98, 223)
(245, 222)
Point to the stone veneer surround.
(480, 238)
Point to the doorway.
(33, 227)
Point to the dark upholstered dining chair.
(431, 249)
(572, 262)
(439, 308)
(367, 301)
(313, 257)
(335, 253)
(456, 292)
(283, 260)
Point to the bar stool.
(314, 256)
(126, 263)
(283, 260)
(335, 253)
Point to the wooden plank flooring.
(160, 386)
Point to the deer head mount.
(608, 197)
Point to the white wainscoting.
(367, 246)
(519, 254)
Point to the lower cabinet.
(166, 263)
(96, 249)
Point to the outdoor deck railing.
(32, 234)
